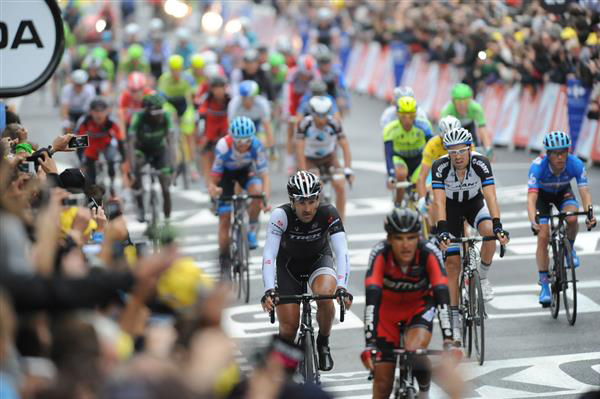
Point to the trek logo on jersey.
(307, 237)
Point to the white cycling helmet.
(320, 105)
(283, 45)
(324, 14)
(448, 123)
(403, 91)
(156, 25)
(457, 136)
(79, 77)
(211, 70)
(132, 29)
(182, 33)
(209, 57)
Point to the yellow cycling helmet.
(407, 105)
(182, 285)
(176, 62)
(197, 61)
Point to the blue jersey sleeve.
(260, 157)
(533, 182)
(218, 166)
(577, 170)
(424, 127)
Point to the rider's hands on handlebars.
(369, 354)
(503, 235)
(391, 181)
(443, 235)
(590, 223)
(269, 300)
(214, 191)
(348, 298)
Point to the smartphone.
(27, 167)
(69, 202)
(112, 210)
(79, 142)
(93, 204)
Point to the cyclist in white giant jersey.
(391, 113)
(300, 238)
(317, 138)
(463, 187)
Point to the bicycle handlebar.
(561, 215)
(471, 240)
(404, 184)
(236, 197)
(309, 298)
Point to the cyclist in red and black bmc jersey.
(405, 282)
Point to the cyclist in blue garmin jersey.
(549, 183)
(239, 158)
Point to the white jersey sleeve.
(340, 248)
(277, 226)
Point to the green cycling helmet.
(153, 101)
(135, 51)
(276, 59)
(461, 91)
(99, 52)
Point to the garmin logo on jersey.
(405, 285)
(481, 164)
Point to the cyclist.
(254, 106)
(213, 110)
(134, 61)
(317, 138)
(75, 98)
(332, 76)
(151, 139)
(433, 150)
(102, 132)
(463, 186)
(300, 237)
(405, 282)
(184, 46)
(198, 78)
(97, 77)
(470, 114)
(391, 112)
(550, 183)
(130, 99)
(276, 73)
(404, 140)
(251, 70)
(284, 46)
(316, 88)
(239, 157)
(156, 48)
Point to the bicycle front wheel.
(233, 271)
(555, 280)
(569, 283)
(244, 269)
(466, 317)
(308, 367)
(478, 313)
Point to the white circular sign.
(31, 44)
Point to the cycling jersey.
(396, 293)
(478, 175)
(129, 65)
(391, 113)
(334, 79)
(288, 239)
(399, 143)
(319, 143)
(260, 77)
(471, 121)
(172, 87)
(293, 90)
(259, 112)
(149, 135)
(128, 104)
(228, 158)
(542, 178)
(100, 136)
(77, 102)
(215, 116)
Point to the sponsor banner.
(595, 153)
(377, 75)
(370, 63)
(385, 87)
(530, 99)
(585, 143)
(508, 116)
(418, 78)
(448, 76)
(577, 103)
(356, 68)
(544, 116)
(400, 58)
(491, 100)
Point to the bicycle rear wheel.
(243, 266)
(569, 283)
(555, 281)
(478, 312)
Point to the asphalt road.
(528, 354)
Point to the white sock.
(483, 270)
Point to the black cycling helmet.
(99, 103)
(303, 185)
(402, 220)
(218, 80)
(153, 101)
(318, 87)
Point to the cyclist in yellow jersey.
(404, 140)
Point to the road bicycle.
(561, 276)
(410, 200)
(238, 245)
(153, 229)
(470, 301)
(309, 366)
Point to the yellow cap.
(197, 61)
(176, 62)
(407, 105)
(592, 39)
(568, 33)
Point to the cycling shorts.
(245, 177)
(474, 212)
(325, 165)
(545, 200)
(290, 270)
(157, 158)
(413, 165)
(419, 315)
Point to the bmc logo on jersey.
(481, 164)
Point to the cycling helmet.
(218, 80)
(136, 81)
(303, 184)
(106, 36)
(457, 136)
(249, 88)
(322, 53)
(182, 33)
(209, 57)
(135, 51)
(283, 45)
(132, 29)
(461, 91)
(79, 77)
(324, 14)
(211, 70)
(250, 55)
(403, 91)
(197, 61)
(276, 59)
(176, 62)
(402, 220)
(318, 87)
(242, 127)
(94, 62)
(100, 52)
(153, 101)
(407, 105)
(306, 64)
(556, 140)
(320, 105)
(156, 25)
(448, 123)
(99, 103)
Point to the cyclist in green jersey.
(470, 114)
(150, 139)
(133, 62)
(404, 140)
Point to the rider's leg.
(254, 187)
(324, 284)
(487, 247)
(541, 256)
(224, 258)
(384, 379)
(109, 156)
(339, 185)
(419, 338)
(572, 225)
(165, 182)
(90, 169)
(289, 320)
(453, 270)
(401, 174)
(290, 159)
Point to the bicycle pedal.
(545, 305)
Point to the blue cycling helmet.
(242, 127)
(248, 88)
(556, 140)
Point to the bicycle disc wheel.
(243, 269)
(478, 313)
(554, 278)
(309, 363)
(569, 283)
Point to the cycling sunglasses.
(244, 141)
(304, 198)
(156, 111)
(458, 152)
